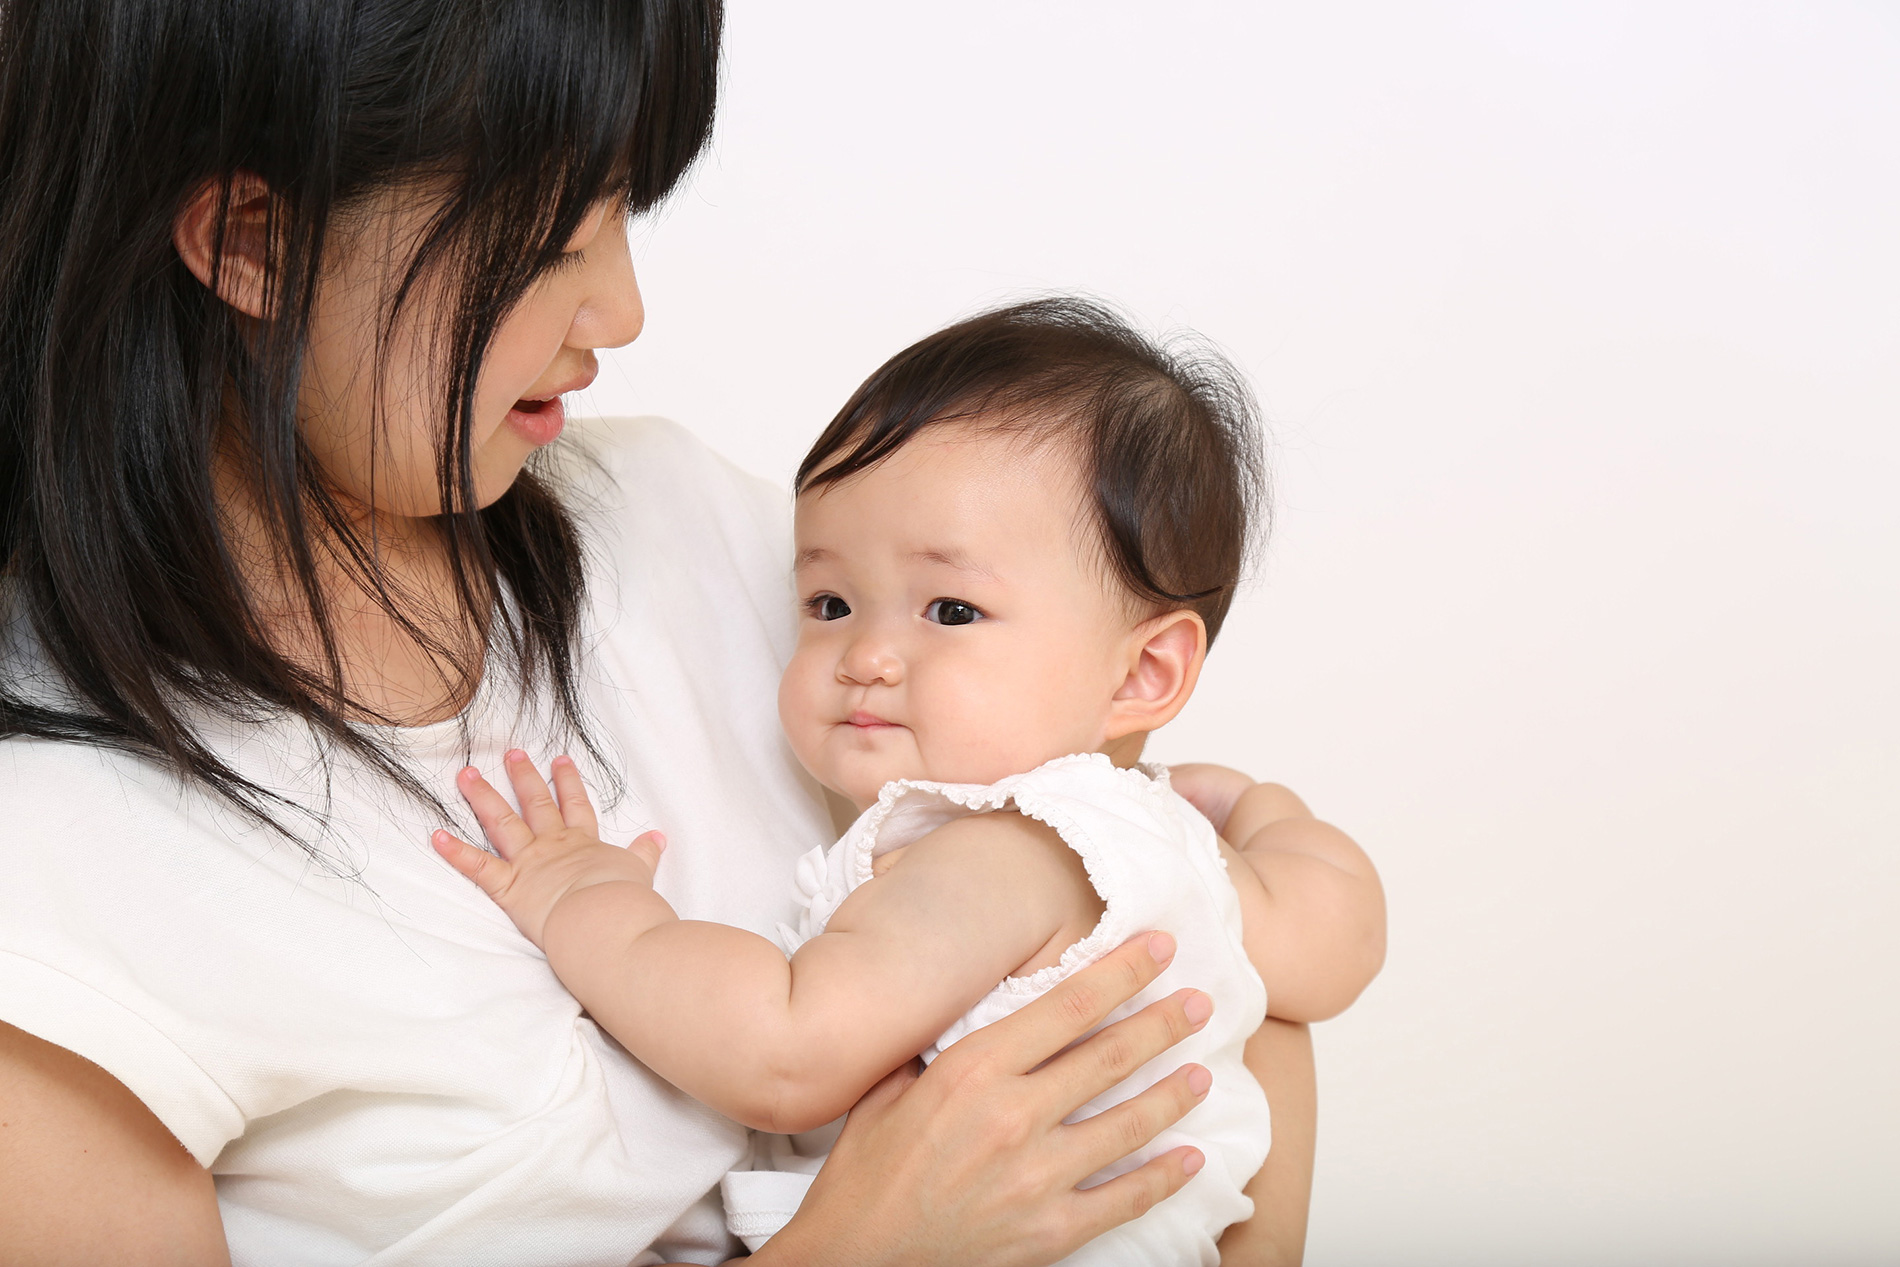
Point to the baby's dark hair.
(1169, 435)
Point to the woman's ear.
(1166, 654)
(236, 268)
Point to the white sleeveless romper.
(1154, 862)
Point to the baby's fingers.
(648, 848)
(504, 828)
(575, 807)
(532, 794)
(492, 874)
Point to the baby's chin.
(859, 777)
(862, 789)
(861, 783)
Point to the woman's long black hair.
(118, 368)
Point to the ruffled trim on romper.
(825, 877)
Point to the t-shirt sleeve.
(86, 948)
(68, 1012)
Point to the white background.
(1576, 327)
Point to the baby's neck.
(1126, 751)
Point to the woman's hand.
(971, 1162)
(548, 850)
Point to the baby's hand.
(548, 850)
(1211, 789)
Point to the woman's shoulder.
(657, 463)
(659, 508)
(49, 782)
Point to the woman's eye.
(829, 607)
(951, 611)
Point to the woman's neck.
(407, 652)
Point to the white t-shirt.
(370, 1059)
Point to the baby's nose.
(871, 661)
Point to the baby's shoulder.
(1000, 844)
(1020, 861)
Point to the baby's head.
(1016, 541)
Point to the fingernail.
(1192, 1163)
(563, 759)
(659, 839)
(1198, 1007)
(1161, 946)
(1199, 1080)
(515, 754)
(468, 772)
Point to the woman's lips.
(538, 421)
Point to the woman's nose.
(613, 314)
(871, 661)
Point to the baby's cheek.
(986, 731)
(797, 713)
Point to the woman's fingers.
(1132, 1195)
(1088, 1069)
(505, 829)
(576, 809)
(488, 871)
(1021, 1042)
(1121, 1129)
(538, 807)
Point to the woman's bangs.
(584, 101)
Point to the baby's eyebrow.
(954, 559)
(810, 555)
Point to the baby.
(1014, 545)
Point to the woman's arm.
(1280, 1055)
(969, 1162)
(90, 1175)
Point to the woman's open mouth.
(538, 421)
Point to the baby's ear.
(1165, 657)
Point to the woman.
(288, 296)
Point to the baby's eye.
(951, 611)
(829, 607)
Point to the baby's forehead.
(964, 484)
(992, 508)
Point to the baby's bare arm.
(1314, 908)
(720, 1012)
(789, 1045)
